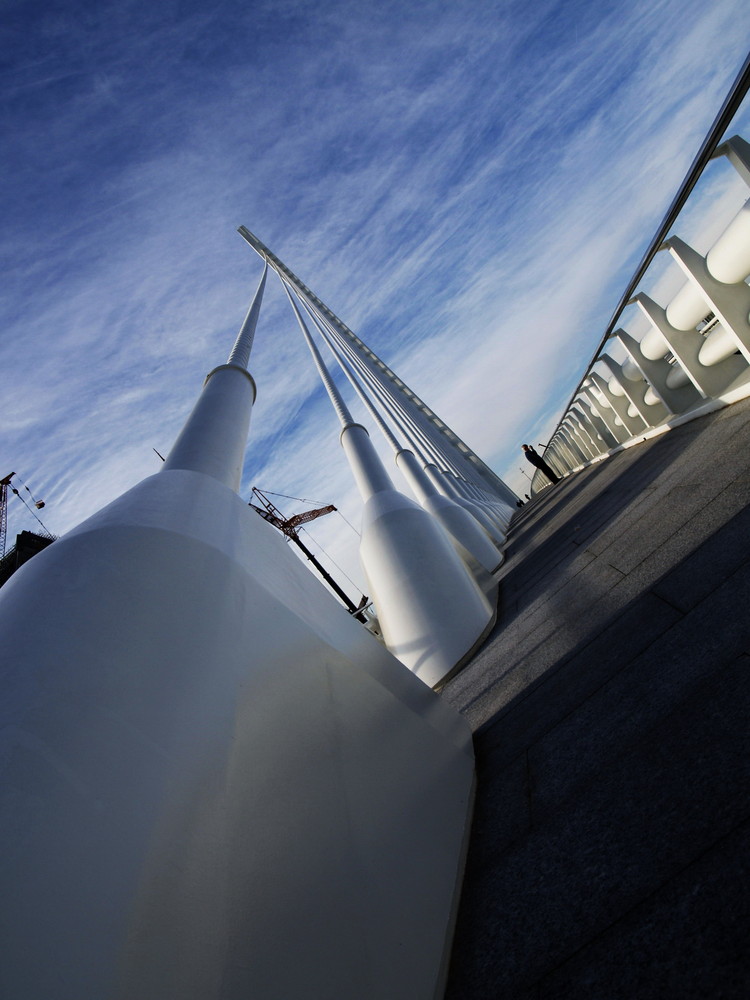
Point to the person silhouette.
(536, 459)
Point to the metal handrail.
(722, 121)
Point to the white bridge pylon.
(472, 541)
(213, 780)
(431, 610)
(428, 564)
(451, 444)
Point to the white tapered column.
(465, 489)
(418, 442)
(196, 723)
(398, 387)
(447, 486)
(214, 438)
(431, 610)
(499, 511)
(471, 542)
(445, 446)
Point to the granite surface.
(610, 716)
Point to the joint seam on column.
(348, 426)
(236, 368)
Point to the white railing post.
(686, 346)
(590, 448)
(737, 152)
(730, 303)
(633, 425)
(577, 453)
(656, 374)
(607, 415)
(606, 437)
(651, 410)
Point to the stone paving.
(610, 715)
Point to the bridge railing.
(695, 353)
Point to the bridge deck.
(610, 710)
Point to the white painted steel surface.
(431, 608)
(470, 541)
(214, 438)
(447, 487)
(463, 530)
(429, 621)
(215, 783)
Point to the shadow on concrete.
(613, 785)
(620, 480)
(712, 570)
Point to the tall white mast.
(214, 437)
(471, 541)
(431, 609)
(449, 438)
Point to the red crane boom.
(289, 525)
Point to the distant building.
(27, 545)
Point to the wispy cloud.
(468, 186)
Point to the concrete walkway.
(610, 710)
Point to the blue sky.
(468, 185)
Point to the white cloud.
(469, 191)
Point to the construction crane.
(4, 484)
(289, 526)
